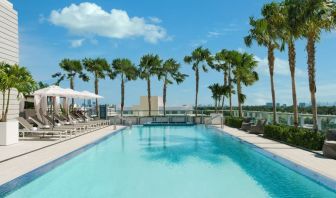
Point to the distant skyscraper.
(9, 47)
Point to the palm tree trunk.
(225, 85)
(72, 86)
(3, 105)
(239, 99)
(311, 75)
(149, 97)
(216, 104)
(7, 105)
(292, 60)
(122, 94)
(196, 97)
(271, 71)
(96, 92)
(230, 94)
(164, 96)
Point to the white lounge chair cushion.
(46, 127)
(58, 124)
(34, 129)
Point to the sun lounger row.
(58, 125)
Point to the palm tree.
(288, 25)
(14, 77)
(316, 16)
(127, 72)
(169, 72)
(264, 32)
(216, 90)
(148, 67)
(71, 68)
(222, 64)
(99, 67)
(199, 57)
(245, 74)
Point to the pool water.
(171, 162)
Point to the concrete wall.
(9, 48)
(156, 105)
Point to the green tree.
(199, 58)
(127, 72)
(221, 63)
(17, 78)
(288, 28)
(148, 67)
(169, 72)
(99, 67)
(245, 74)
(265, 33)
(216, 91)
(71, 69)
(315, 16)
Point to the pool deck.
(307, 163)
(27, 155)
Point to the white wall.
(9, 48)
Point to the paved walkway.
(319, 168)
(41, 152)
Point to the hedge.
(295, 136)
(233, 122)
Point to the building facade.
(9, 48)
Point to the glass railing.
(325, 122)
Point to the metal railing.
(324, 122)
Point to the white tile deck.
(317, 167)
(18, 166)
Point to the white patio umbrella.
(91, 95)
(51, 91)
(56, 91)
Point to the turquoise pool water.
(171, 162)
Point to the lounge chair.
(259, 127)
(28, 128)
(70, 129)
(80, 119)
(247, 124)
(329, 146)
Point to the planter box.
(9, 132)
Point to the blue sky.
(172, 29)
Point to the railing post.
(302, 121)
(319, 123)
(288, 120)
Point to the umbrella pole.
(53, 111)
(84, 108)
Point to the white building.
(157, 107)
(9, 47)
(142, 108)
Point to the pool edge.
(310, 174)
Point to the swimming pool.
(179, 161)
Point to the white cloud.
(214, 34)
(155, 20)
(77, 43)
(281, 67)
(87, 19)
(241, 50)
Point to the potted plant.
(12, 78)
